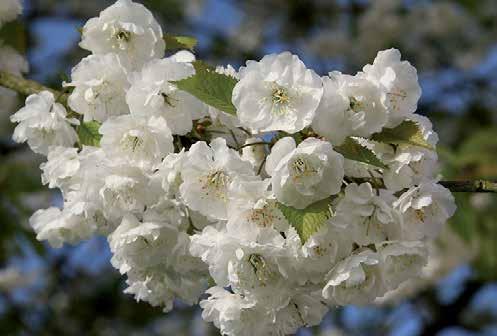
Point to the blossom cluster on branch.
(275, 191)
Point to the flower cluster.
(315, 192)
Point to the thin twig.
(262, 165)
(470, 186)
(254, 144)
(475, 186)
(234, 138)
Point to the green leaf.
(88, 133)
(407, 133)
(212, 88)
(179, 42)
(309, 220)
(351, 149)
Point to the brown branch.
(470, 186)
(474, 186)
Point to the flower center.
(355, 104)
(47, 133)
(301, 168)
(123, 36)
(120, 37)
(263, 217)
(420, 215)
(215, 183)
(395, 98)
(132, 143)
(280, 98)
(319, 250)
(260, 267)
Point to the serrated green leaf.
(88, 133)
(179, 42)
(309, 220)
(351, 149)
(212, 88)
(407, 133)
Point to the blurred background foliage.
(453, 43)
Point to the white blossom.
(303, 174)
(155, 257)
(100, 193)
(138, 140)
(125, 190)
(43, 123)
(62, 164)
(230, 257)
(127, 29)
(425, 209)
(100, 83)
(369, 217)
(169, 172)
(355, 280)
(253, 272)
(351, 106)
(402, 261)
(81, 190)
(252, 211)
(323, 250)
(399, 82)
(207, 174)
(59, 227)
(278, 93)
(153, 93)
(411, 165)
(232, 314)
